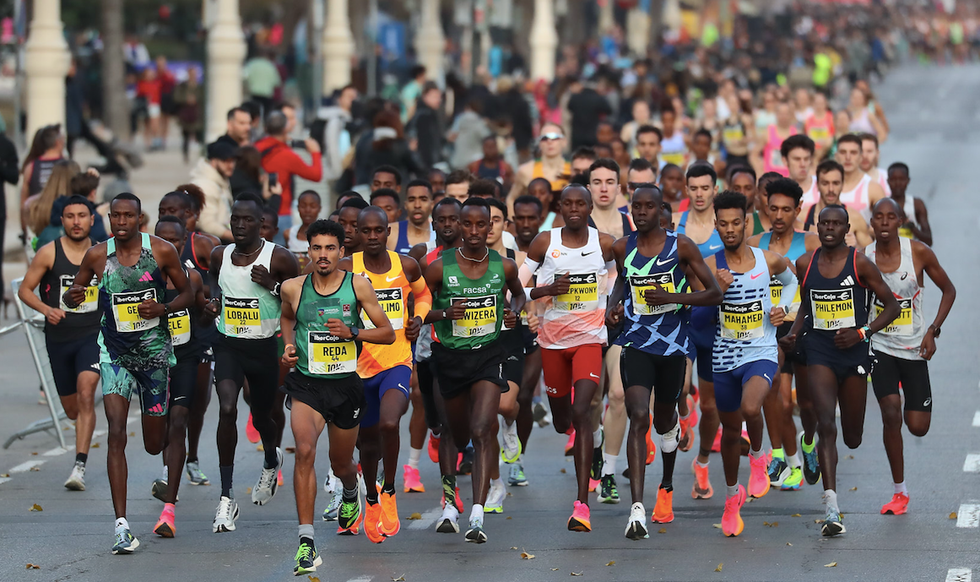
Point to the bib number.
(393, 304)
(833, 310)
(242, 317)
(583, 294)
(180, 327)
(328, 354)
(776, 158)
(742, 321)
(733, 134)
(902, 325)
(88, 305)
(776, 292)
(479, 319)
(641, 283)
(676, 158)
(126, 308)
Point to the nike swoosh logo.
(756, 276)
(390, 279)
(587, 254)
(713, 247)
(664, 262)
(593, 375)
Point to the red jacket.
(278, 157)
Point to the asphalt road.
(935, 120)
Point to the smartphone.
(273, 179)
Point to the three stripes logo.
(146, 277)
(847, 282)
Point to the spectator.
(189, 101)
(278, 157)
(168, 105)
(211, 175)
(492, 166)
(468, 132)
(37, 208)
(262, 80)
(9, 173)
(427, 124)
(385, 145)
(513, 107)
(238, 127)
(411, 92)
(44, 154)
(248, 175)
(148, 89)
(386, 177)
(587, 108)
(85, 184)
(334, 138)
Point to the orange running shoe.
(251, 433)
(279, 478)
(165, 526)
(389, 515)
(593, 485)
(434, 448)
(731, 521)
(759, 476)
(663, 512)
(897, 506)
(651, 445)
(702, 486)
(413, 482)
(687, 426)
(716, 445)
(570, 445)
(581, 520)
(372, 522)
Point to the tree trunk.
(115, 104)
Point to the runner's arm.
(614, 308)
(284, 264)
(779, 268)
(169, 262)
(511, 274)
(420, 291)
(923, 232)
(860, 229)
(368, 301)
(926, 257)
(433, 280)
(690, 256)
(94, 258)
(42, 263)
(869, 273)
(289, 293)
(214, 300)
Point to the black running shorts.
(71, 358)
(340, 401)
(457, 370)
(913, 375)
(664, 375)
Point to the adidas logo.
(847, 282)
(146, 277)
(157, 408)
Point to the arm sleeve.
(788, 279)
(531, 265)
(423, 297)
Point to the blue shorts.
(728, 385)
(398, 378)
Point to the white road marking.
(976, 418)
(428, 519)
(55, 452)
(27, 466)
(968, 515)
(972, 463)
(959, 575)
(98, 433)
(362, 579)
(4, 480)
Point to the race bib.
(733, 134)
(742, 321)
(242, 318)
(479, 319)
(902, 325)
(180, 327)
(776, 292)
(903, 231)
(91, 301)
(126, 308)
(583, 294)
(676, 158)
(328, 354)
(392, 304)
(641, 283)
(819, 133)
(833, 309)
(775, 158)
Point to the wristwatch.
(936, 330)
(275, 290)
(354, 332)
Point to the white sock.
(476, 513)
(830, 500)
(597, 437)
(756, 454)
(795, 461)
(413, 457)
(900, 488)
(609, 464)
(700, 464)
(121, 523)
(733, 490)
(498, 482)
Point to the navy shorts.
(71, 358)
(728, 385)
(375, 387)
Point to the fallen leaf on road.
(796, 515)
(260, 448)
(95, 445)
(33, 566)
(818, 521)
(4, 475)
(575, 573)
(313, 578)
(291, 450)
(399, 579)
(526, 556)
(415, 516)
(773, 524)
(34, 454)
(132, 434)
(952, 515)
(611, 563)
(830, 565)
(563, 470)
(510, 517)
(789, 544)
(35, 469)
(849, 457)
(554, 569)
(249, 491)
(36, 507)
(716, 525)
(854, 488)
(662, 530)
(509, 494)
(513, 547)
(718, 569)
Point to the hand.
(456, 311)
(212, 307)
(510, 318)
(55, 315)
(657, 296)
(850, 239)
(311, 145)
(263, 277)
(928, 346)
(776, 316)
(276, 189)
(92, 172)
(560, 286)
(413, 328)
(413, 144)
(532, 323)
(614, 315)
(338, 328)
(289, 356)
(150, 309)
(75, 295)
(788, 343)
(725, 279)
(846, 338)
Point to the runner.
(904, 347)
(308, 206)
(837, 330)
(417, 228)
(458, 185)
(916, 224)
(467, 314)
(386, 176)
(649, 140)
(385, 370)
(136, 352)
(858, 191)
(797, 152)
(869, 162)
(321, 330)
(744, 357)
(551, 165)
(70, 335)
(347, 219)
(742, 179)
(605, 190)
(541, 189)
(388, 200)
(652, 263)
(574, 263)
(246, 279)
(830, 183)
(672, 184)
(769, 158)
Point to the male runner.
(648, 146)
(417, 228)
(386, 176)
(246, 278)
(916, 223)
(458, 184)
(742, 179)
(797, 152)
(136, 350)
(653, 263)
(858, 191)
(830, 181)
(468, 284)
(904, 347)
(869, 162)
(604, 188)
(70, 335)
(574, 266)
(321, 328)
(744, 356)
(347, 219)
(551, 166)
(387, 200)
(385, 370)
(672, 184)
(837, 330)
(527, 221)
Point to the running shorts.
(664, 375)
(728, 385)
(819, 350)
(426, 380)
(339, 401)
(183, 383)
(150, 386)
(563, 368)
(255, 359)
(514, 364)
(397, 378)
(457, 370)
(913, 376)
(71, 358)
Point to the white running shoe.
(448, 522)
(510, 451)
(267, 485)
(224, 518)
(495, 497)
(332, 512)
(76, 481)
(636, 528)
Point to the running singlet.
(392, 289)
(772, 157)
(857, 198)
(909, 209)
(708, 247)
(820, 129)
(482, 298)
(810, 197)
(660, 330)
(182, 333)
(883, 182)
(578, 317)
(673, 150)
(558, 182)
(207, 332)
(835, 303)
(744, 333)
(297, 244)
(127, 340)
(796, 248)
(80, 321)
(319, 352)
(903, 336)
(402, 246)
(248, 310)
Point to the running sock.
(779, 453)
(900, 488)
(388, 488)
(350, 494)
(271, 459)
(449, 489)
(830, 500)
(795, 461)
(756, 454)
(226, 474)
(668, 480)
(413, 458)
(306, 531)
(807, 447)
(700, 464)
(609, 464)
(476, 514)
(188, 460)
(81, 458)
(121, 523)
(733, 490)
(371, 496)
(597, 437)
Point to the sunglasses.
(552, 136)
